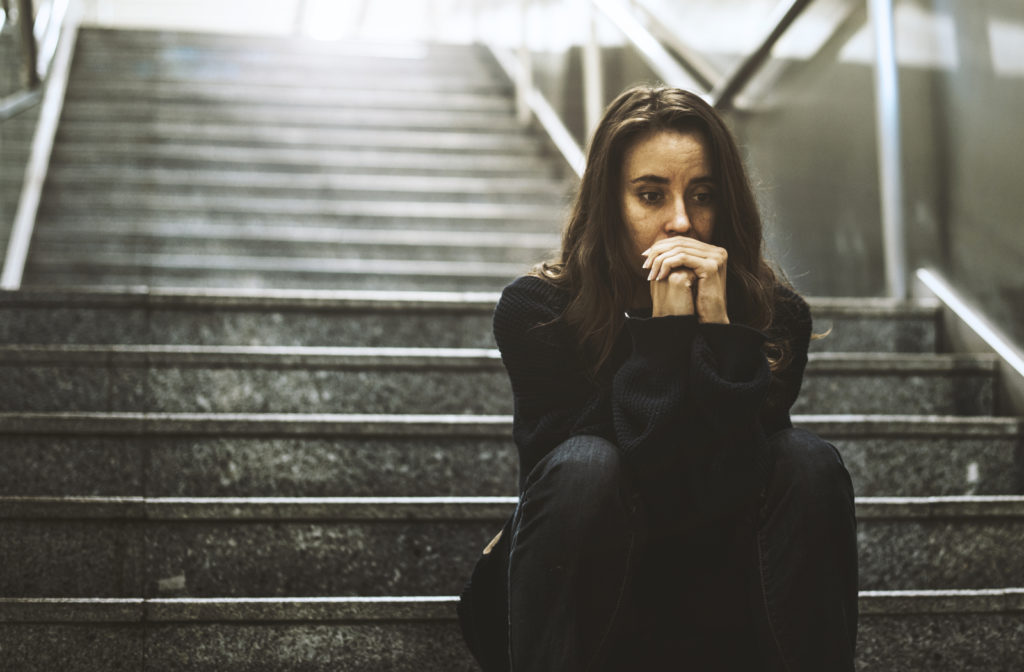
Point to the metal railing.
(53, 39)
(685, 69)
(39, 38)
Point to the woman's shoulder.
(535, 289)
(527, 302)
(530, 295)
(790, 308)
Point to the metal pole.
(593, 74)
(524, 75)
(890, 173)
(28, 41)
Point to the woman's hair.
(597, 264)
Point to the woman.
(670, 516)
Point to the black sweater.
(689, 405)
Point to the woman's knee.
(582, 479)
(581, 461)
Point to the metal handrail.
(970, 331)
(651, 50)
(39, 159)
(699, 68)
(49, 35)
(39, 41)
(782, 18)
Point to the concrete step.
(138, 316)
(234, 95)
(346, 161)
(330, 184)
(404, 215)
(418, 380)
(247, 455)
(282, 80)
(120, 182)
(968, 631)
(99, 61)
(292, 137)
(266, 48)
(184, 112)
(381, 634)
(370, 318)
(53, 267)
(66, 237)
(279, 546)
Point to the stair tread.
(431, 607)
(447, 508)
(873, 363)
(382, 424)
(399, 301)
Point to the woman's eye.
(704, 197)
(650, 197)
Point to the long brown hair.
(596, 262)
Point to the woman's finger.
(670, 264)
(681, 242)
(666, 264)
(704, 265)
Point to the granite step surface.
(243, 94)
(347, 161)
(260, 379)
(284, 80)
(279, 546)
(251, 455)
(318, 181)
(66, 235)
(239, 65)
(185, 112)
(972, 631)
(370, 318)
(244, 184)
(198, 45)
(384, 215)
(233, 269)
(159, 132)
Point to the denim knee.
(582, 482)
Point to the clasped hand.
(687, 276)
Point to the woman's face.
(667, 189)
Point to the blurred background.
(806, 118)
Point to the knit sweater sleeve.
(554, 399)
(685, 408)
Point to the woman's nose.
(679, 222)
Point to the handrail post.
(890, 173)
(593, 74)
(28, 42)
(524, 73)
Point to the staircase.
(286, 474)
(207, 161)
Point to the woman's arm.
(554, 399)
(686, 405)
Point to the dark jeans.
(772, 588)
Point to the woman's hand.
(674, 294)
(677, 263)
